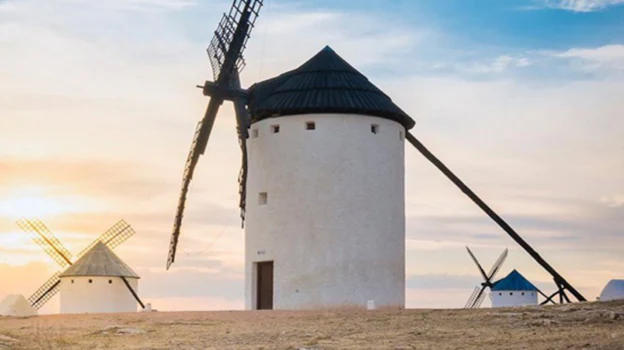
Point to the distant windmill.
(477, 296)
(226, 58)
(110, 239)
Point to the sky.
(522, 99)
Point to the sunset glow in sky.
(522, 99)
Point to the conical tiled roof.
(100, 261)
(324, 84)
(513, 281)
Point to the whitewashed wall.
(334, 222)
(97, 297)
(507, 298)
(614, 290)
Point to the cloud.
(88, 177)
(613, 201)
(500, 64)
(531, 66)
(580, 5)
(603, 57)
(136, 5)
(363, 39)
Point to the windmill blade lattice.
(46, 291)
(476, 298)
(473, 298)
(46, 240)
(189, 168)
(480, 298)
(485, 277)
(224, 35)
(225, 53)
(497, 265)
(242, 123)
(112, 237)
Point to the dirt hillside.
(573, 326)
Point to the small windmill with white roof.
(98, 281)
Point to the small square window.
(110, 281)
(500, 293)
(510, 293)
(254, 133)
(90, 281)
(263, 198)
(310, 125)
(522, 293)
(275, 129)
(374, 128)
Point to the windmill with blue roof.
(512, 290)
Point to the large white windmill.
(322, 182)
(96, 281)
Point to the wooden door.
(265, 286)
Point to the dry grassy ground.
(574, 326)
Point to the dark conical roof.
(514, 281)
(100, 261)
(326, 83)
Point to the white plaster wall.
(97, 297)
(614, 290)
(504, 298)
(334, 224)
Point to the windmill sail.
(46, 291)
(473, 298)
(477, 263)
(477, 296)
(496, 267)
(202, 133)
(480, 298)
(112, 237)
(226, 58)
(242, 123)
(46, 240)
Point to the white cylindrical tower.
(513, 298)
(325, 208)
(95, 284)
(97, 294)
